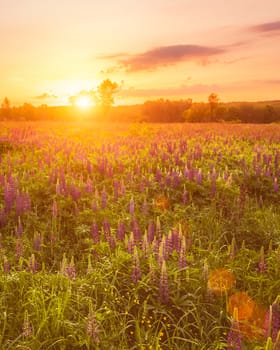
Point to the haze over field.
(51, 50)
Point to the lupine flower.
(220, 281)
(234, 339)
(272, 321)
(152, 270)
(26, 327)
(163, 284)
(131, 206)
(275, 185)
(95, 233)
(18, 248)
(37, 241)
(136, 271)
(71, 270)
(103, 198)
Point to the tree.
(106, 91)
(213, 101)
(6, 107)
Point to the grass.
(86, 209)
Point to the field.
(139, 236)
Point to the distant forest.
(156, 111)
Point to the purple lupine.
(131, 206)
(272, 321)
(234, 339)
(130, 243)
(136, 270)
(145, 207)
(176, 240)
(95, 234)
(121, 231)
(152, 270)
(19, 248)
(103, 198)
(163, 284)
(37, 241)
(106, 229)
(71, 269)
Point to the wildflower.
(18, 248)
(243, 303)
(71, 270)
(95, 233)
(136, 271)
(131, 206)
(272, 320)
(26, 328)
(234, 339)
(220, 281)
(163, 284)
(37, 241)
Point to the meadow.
(139, 236)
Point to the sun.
(83, 102)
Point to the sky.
(175, 49)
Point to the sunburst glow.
(83, 102)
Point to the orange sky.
(53, 49)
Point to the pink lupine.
(234, 339)
(272, 321)
(95, 234)
(136, 270)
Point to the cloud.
(166, 56)
(196, 89)
(45, 96)
(269, 27)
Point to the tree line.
(154, 111)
